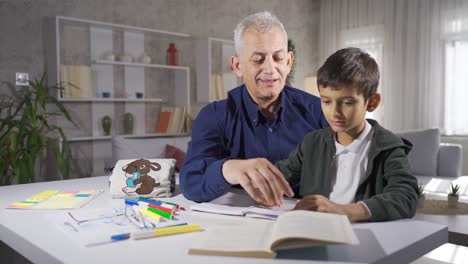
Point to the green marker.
(161, 213)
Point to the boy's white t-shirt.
(350, 166)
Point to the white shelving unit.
(217, 79)
(120, 80)
(116, 86)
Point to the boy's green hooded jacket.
(388, 189)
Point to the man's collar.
(254, 111)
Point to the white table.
(30, 234)
(436, 188)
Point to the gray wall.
(23, 34)
(21, 25)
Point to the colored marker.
(162, 208)
(146, 200)
(161, 213)
(173, 204)
(147, 213)
(166, 231)
(120, 236)
(130, 201)
(146, 206)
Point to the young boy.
(354, 167)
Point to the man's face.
(345, 110)
(263, 63)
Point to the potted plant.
(26, 133)
(452, 197)
(290, 77)
(422, 195)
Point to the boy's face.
(345, 110)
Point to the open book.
(251, 211)
(293, 229)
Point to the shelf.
(137, 64)
(121, 26)
(111, 100)
(157, 135)
(82, 139)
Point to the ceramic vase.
(128, 123)
(452, 201)
(422, 200)
(106, 123)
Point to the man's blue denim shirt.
(235, 128)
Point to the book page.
(251, 211)
(218, 209)
(92, 226)
(242, 240)
(270, 212)
(295, 228)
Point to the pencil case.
(143, 177)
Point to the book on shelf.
(172, 120)
(76, 81)
(182, 120)
(164, 118)
(293, 229)
(217, 90)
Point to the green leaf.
(25, 132)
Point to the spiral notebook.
(56, 199)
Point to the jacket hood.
(386, 139)
(383, 139)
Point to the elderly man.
(236, 140)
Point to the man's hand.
(259, 178)
(355, 211)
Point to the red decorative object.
(172, 55)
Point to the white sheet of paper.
(107, 222)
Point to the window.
(456, 87)
(455, 36)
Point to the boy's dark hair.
(350, 67)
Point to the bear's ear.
(124, 168)
(158, 166)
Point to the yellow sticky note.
(20, 205)
(65, 194)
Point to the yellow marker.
(166, 231)
(151, 215)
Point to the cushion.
(143, 177)
(424, 155)
(173, 152)
(128, 148)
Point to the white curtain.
(370, 39)
(412, 63)
(455, 38)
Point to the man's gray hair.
(262, 22)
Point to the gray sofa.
(428, 157)
(431, 158)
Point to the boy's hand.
(319, 203)
(259, 178)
